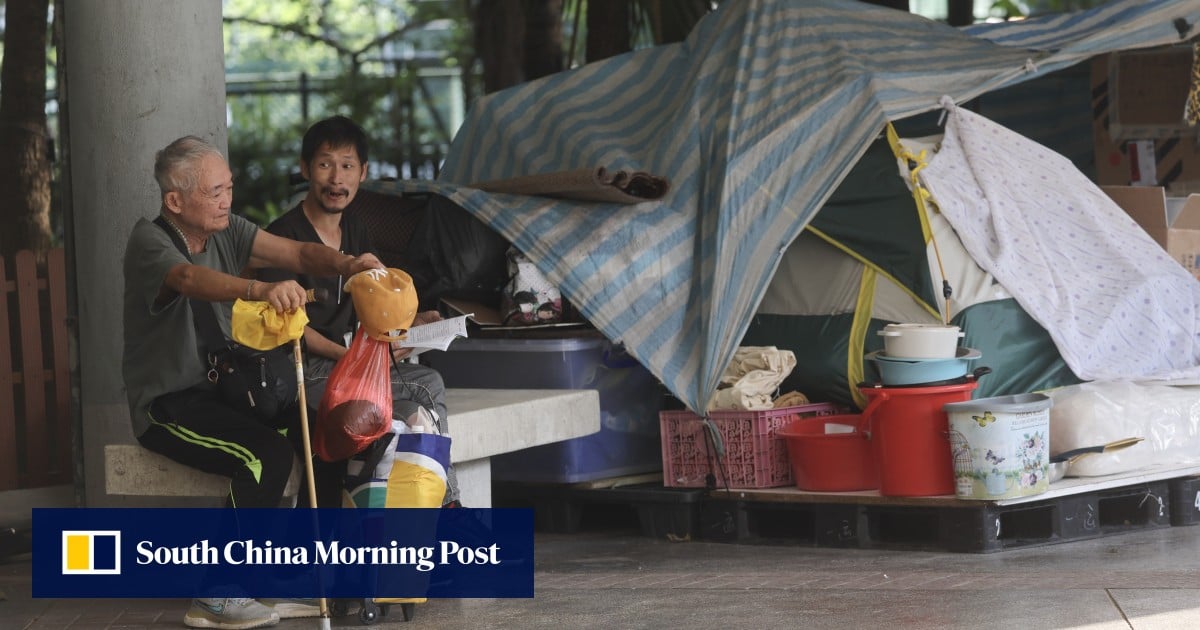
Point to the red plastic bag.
(357, 406)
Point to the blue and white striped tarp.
(755, 119)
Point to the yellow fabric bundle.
(258, 325)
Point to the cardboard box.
(1147, 91)
(1137, 118)
(1174, 222)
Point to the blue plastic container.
(893, 371)
(630, 399)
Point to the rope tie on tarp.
(714, 444)
(921, 196)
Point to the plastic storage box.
(630, 399)
(754, 456)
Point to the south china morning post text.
(251, 552)
(351, 553)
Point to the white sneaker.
(294, 608)
(229, 613)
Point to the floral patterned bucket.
(1000, 446)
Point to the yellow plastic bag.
(258, 325)
(418, 477)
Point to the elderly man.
(175, 410)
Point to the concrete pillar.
(140, 73)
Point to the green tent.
(864, 262)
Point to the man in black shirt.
(333, 158)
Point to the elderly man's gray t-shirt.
(162, 352)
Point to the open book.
(435, 335)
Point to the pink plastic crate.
(754, 456)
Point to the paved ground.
(1148, 580)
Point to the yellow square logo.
(91, 552)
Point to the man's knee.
(435, 382)
(418, 373)
(276, 458)
(409, 376)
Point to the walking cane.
(308, 468)
(256, 322)
(312, 295)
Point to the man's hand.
(283, 296)
(427, 317)
(359, 263)
(424, 317)
(398, 353)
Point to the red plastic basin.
(830, 462)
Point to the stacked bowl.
(900, 442)
(920, 354)
(921, 368)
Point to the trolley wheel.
(407, 611)
(369, 613)
(383, 609)
(339, 608)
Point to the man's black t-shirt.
(334, 318)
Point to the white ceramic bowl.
(920, 341)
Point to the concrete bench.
(483, 423)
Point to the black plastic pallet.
(984, 527)
(658, 512)
(1185, 500)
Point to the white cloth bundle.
(752, 378)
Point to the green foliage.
(264, 149)
(361, 60)
(1027, 8)
(1009, 9)
(391, 65)
(401, 68)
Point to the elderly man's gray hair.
(176, 166)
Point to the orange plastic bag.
(357, 406)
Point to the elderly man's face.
(205, 208)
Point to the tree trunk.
(467, 54)
(499, 37)
(894, 4)
(607, 30)
(960, 12)
(24, 159)
(671, 21)
(543, 38)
